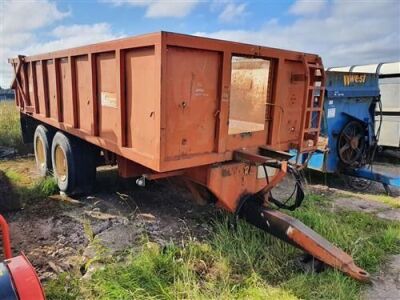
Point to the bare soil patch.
(54, 233)
(386, 284)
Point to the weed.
(65, 287)
(99, 252)
(46, 187)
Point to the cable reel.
(352, 143)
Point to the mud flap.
(299, 235)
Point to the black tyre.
(356, 183)
(74, 164)
(42, 148)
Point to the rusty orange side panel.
(106, 91)
(142, 102)
(67, 106)
(192, 101)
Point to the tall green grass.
(241, 264)
(10, 128)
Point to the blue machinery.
(348, 142)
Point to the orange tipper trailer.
(217, 113)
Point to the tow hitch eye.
(299, 235)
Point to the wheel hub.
(40, 153)
(61, 167)
(354, 142)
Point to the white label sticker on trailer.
(331, 112)
(108, 99)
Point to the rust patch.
(225, 172)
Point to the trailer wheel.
(41, 144)
(74, 164)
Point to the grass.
(10, 128)
(39, 189)
(389, 200)
(21, 184)
(385, 199)
(240, 264)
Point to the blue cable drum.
(7, 291)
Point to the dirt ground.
(386, 284)
(55, 233)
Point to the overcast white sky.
(342, 32)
